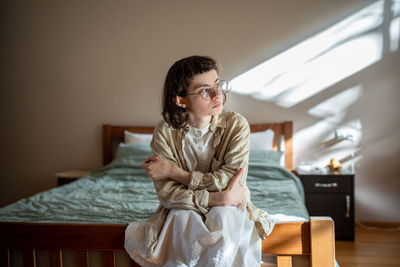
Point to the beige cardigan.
(231, 146)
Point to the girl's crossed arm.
(231, 160)
(160, 170)
(177, 188)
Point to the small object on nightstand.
(334, 165)
(305, 167)
(69, 176)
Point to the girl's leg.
(185, 227)
(221, 240)
(226, 238)
(236, 244)
(135, 242)
(249, 252)
(176, 246)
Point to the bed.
(82, 234)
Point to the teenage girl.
(199, 169)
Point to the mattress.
(121, 192)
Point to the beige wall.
(70, 66)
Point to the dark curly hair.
(178, 79)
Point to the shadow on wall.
(319, 63)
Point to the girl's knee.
(179, 212)
(224, 216)
(183, 216)
(225, 211)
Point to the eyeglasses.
(209, 92)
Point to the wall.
(71, 66)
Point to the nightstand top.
(72, 174)
(321, 173)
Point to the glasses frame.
(205, 95)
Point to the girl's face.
(199, 109)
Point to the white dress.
(225, 238)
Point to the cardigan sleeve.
(173, 194)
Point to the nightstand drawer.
(69, 176)
(331, 195)
(327, 184)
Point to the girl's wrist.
(217, 199)
(170, 169)
(179, 174)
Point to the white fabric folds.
(226, 238)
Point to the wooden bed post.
(288, 134)
(284, 261)
(322, 242)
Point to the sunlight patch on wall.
(318, 62)
(329, 139)
(337, 103)
(394, 34)
(332, 136)
(311, 137)
(341, 62)
(307, 137)
(396, 8)
(395, 26)
(349, 131)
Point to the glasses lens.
(206, 94)
(224, 86)
(209, 93)
(221, 88)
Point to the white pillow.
(259, 140)
(262, 140)
(137, 138)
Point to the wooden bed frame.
(315, 238)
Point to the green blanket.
(121, 192)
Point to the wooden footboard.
(107, 238)
(322, 241)
(314, 238)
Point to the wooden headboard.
(113, 135)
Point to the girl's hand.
(157, 167)
(235, 192)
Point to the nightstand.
(331, 195)
(69, 176)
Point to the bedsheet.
(121, 192)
